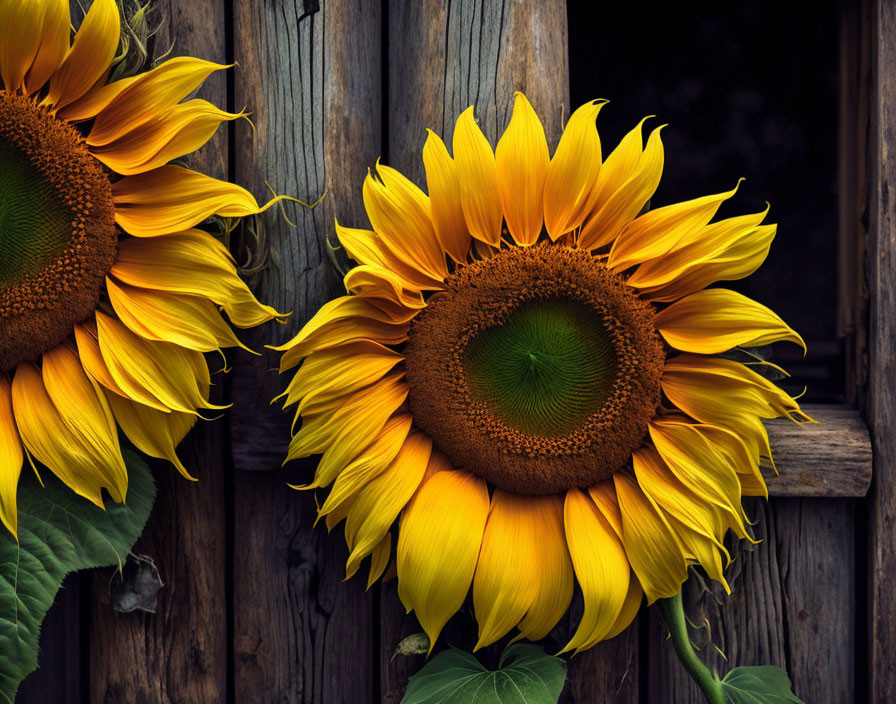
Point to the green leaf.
(758, 685)
(527, 676)
(59, 532)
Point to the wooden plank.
(792, 605)
(61, 662)
(180, 653)
(830, 458)
(301, 634)
(447, 56)
(881, 408)
(853, 180)
(609, 672)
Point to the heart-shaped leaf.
(527, 675)
(59, 532)
(763, 684)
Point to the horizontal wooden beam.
(831, 458)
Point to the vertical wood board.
(313, 82)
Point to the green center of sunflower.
(57, 230)
(34, 225)
(545, 369)
(537, 369)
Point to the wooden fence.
(254, 607)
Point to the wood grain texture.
(450, 54)
(853, 183)
(609, 672)
(301, 634)
(792, 605)
(314, 86)
(881, 408)
(180, 653)
(830, 458)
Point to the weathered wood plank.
(853, 181)
(314, 85)
(448, 55)
(609, 672)
(792, 605)
(881, 408)
(830, 458)
(180, 653)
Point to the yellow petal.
(715, 320)
(615, 172)
(183, 129)
(371, 281)
(623, 203)
(339, 321)
(722, 392)
(379, 559)
(384, 497)
(154, 433)
(90, 55)
(367, 247)
(84, 410)
(54, 43)
(11, 458)
(86, 338)
(659, 230)
(505, 584)
(630, 607)
(650, 544)
(522, 158)
(400, 215)
(97, 98)
(445, 198)
(711, 389)
(553, 568)
(194, 263)
(573, 172)
(147, 97)
(175, 378)
(359, 430)
(477, 176)
(524, 575)
(371, 405)
(668, 492)
(438, 545)
(48, 438)
(601, 568)
(338, 371)
(728, 247)
(604, 496)
(739, 260)
(189, 321)
(21, 27)
(172, 199)
(365, 464)
(702, 466)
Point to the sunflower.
(109, 295)
(524, 377)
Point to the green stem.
(673, 614)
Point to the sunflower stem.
(672, 611)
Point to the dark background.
(749, 90)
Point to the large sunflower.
(523, 373)
(109, 296)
